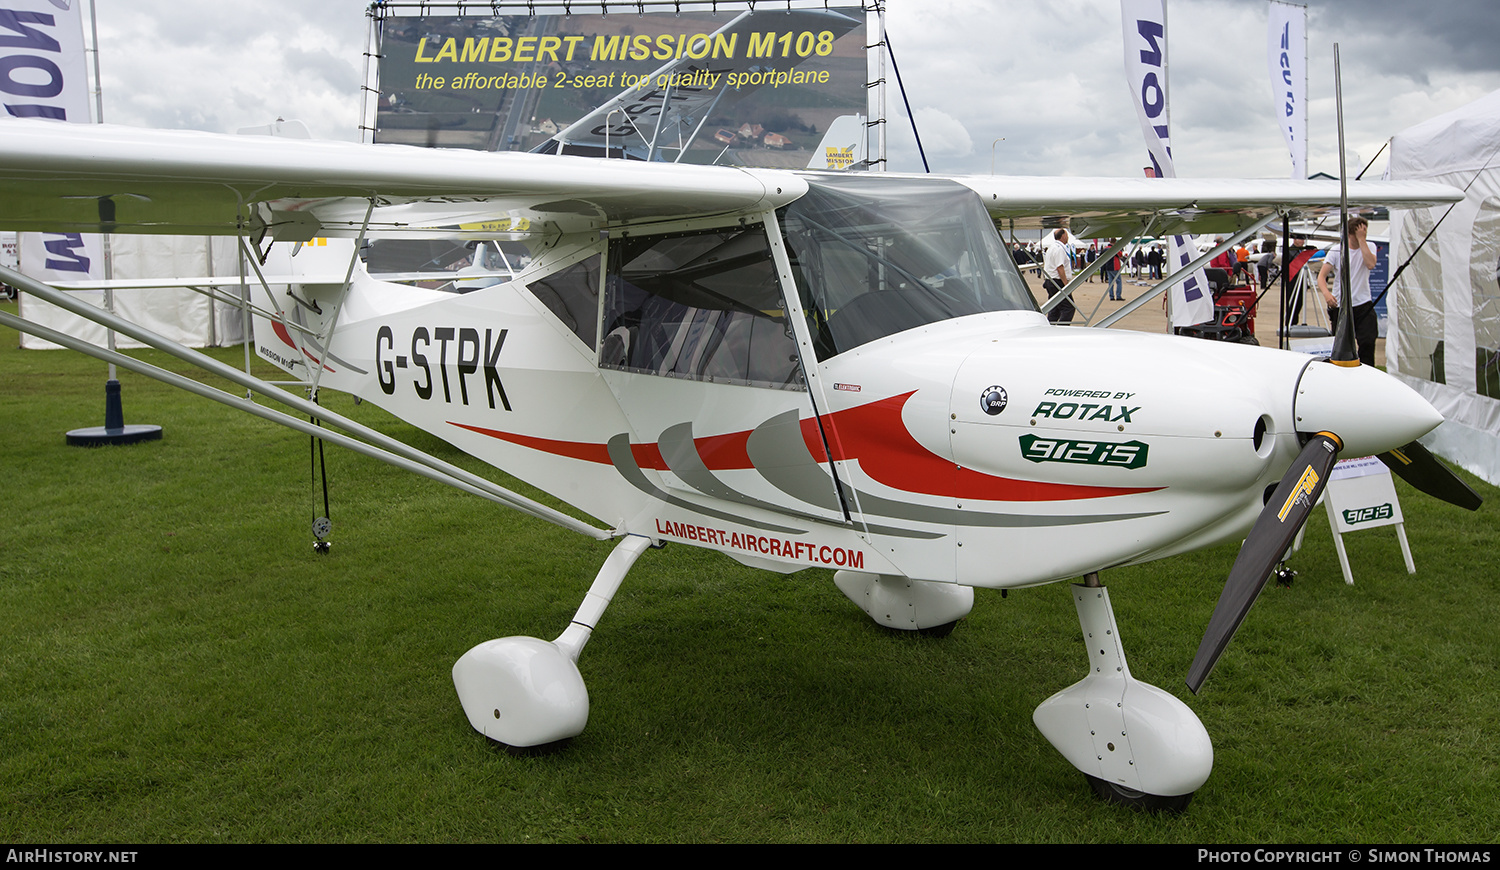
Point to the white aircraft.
(796, 369)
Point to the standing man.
(1267, 261)
(1114, 286)
(1293, 267)
(1361, 261)
(1057, 267)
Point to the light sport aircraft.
(795, 369)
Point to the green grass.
(177, 665)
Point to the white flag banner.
(43, 74)
(1286, 59)
(1145, 28)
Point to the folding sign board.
(1361, 496)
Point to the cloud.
(1047, 77)
(942, 134)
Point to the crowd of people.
(1256, 262)
(1252, 262)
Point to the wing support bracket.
(1091, 269)
(325, 336)
(1182, 274)
(256, 262)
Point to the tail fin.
(844, 146)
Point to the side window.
(573, 295)
(704, 306)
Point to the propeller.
(1283, 517)
(1269, 539)
(1344, 351)
(1292, 502)
(1417, 466)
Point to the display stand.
(1360, 495)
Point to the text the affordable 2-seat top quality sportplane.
(795, 369)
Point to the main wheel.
(539, 751)
(1114, 793)
(938, 631)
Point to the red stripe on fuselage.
(646, 455)
(280, 329)
(874, 434)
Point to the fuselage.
(857, 385)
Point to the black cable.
(317, 464)
(1391, 282)
(902, 85)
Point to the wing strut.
(661, 114)
(325, 338)
(255, 263)
(379, 446)
(806, 357)
(1182, 274)
(1091, 269)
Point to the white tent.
(180, 314)
(1444, 336)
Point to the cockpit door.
(849, 429)
(696, 347)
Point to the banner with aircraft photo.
(731, 87)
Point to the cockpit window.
(873, 258)
(702, 305)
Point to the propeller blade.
(1344, 351)
(1417, 466)
(1278, 524)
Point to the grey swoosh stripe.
(677, 448)
(624, 462)
(778, 452)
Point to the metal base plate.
(99, 436)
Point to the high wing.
(81, 178)
(1099, 207)
(102, 178)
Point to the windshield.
(873, 257)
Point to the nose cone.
(1370, 411)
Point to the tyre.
(1114, 793)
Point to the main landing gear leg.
(1137, 744)
(524, 692)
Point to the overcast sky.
(1048, 77)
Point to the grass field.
(178, 665)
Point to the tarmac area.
(1092, 307)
